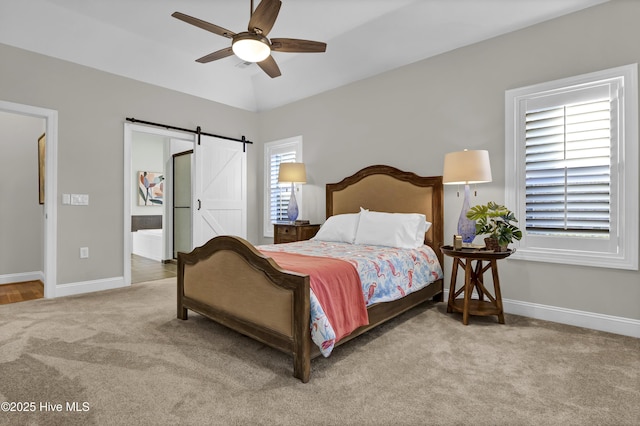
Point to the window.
(572, 169)
(276, 195)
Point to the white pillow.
(422, 229)
(340, 228)
(402, 230)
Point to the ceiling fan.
(253, 45)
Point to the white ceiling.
(139, 39)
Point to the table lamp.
(466, 167)
(294, 173)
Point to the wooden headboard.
(387, 189)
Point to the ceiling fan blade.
(204, 25)
(294, 45)
(270, 67)
(222, 53)
(264, 16)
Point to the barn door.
(220, 189)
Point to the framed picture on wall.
(150, 188)
(41, 151)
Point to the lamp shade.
(292, 172)
(465, 167)
(251, 47)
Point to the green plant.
(496, 221)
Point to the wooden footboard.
(232, 283)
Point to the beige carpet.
(122, 356)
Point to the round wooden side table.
(473, 278)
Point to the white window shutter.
(568, 162)
(280, 193)
(277, 195)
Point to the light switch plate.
(79, 199)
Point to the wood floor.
(142, 269)
(20, 292)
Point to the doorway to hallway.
(28, 225)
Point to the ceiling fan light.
(251, 47)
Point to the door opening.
(168, 142)
(47, 267)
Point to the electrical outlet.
(84, 252)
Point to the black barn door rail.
(198, 132)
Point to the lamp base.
(466, 226)
(292, 210)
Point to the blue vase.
(292, 210)
(466, 226)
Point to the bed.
(147, 243)
(235, 284)
(146, 236)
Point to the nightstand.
(289, 232)
(473, 278)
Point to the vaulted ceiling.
(139, 39)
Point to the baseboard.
(21, 277)
(89, 286)
(611, 324)
(592, 320)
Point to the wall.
(411, 117)
(21, 216)
(92, 107)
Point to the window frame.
(620, 251)
(295, 143)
